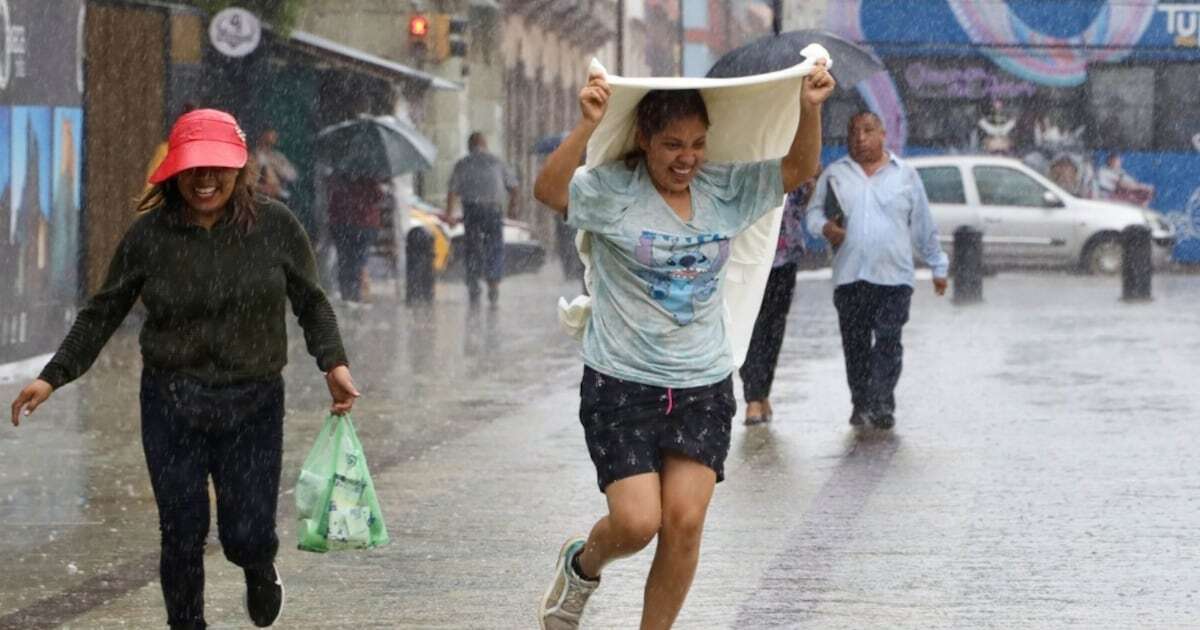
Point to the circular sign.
(235, 32)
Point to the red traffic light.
(418, 26)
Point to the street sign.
(235, 32)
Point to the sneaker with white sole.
(562, 606)
(264, 596)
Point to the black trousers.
(353, 243)
(483, 235)
(191, 430)
(871, 317)
(758, 371)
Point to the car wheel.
(1103, 258)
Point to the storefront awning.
(366, 61)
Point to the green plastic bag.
(335, 499)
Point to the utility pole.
(682, 37)
(621, 37)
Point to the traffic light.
(458, 36)
(418, 33)
(448, 35)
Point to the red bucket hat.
(203, 137)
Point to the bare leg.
(634, 518)
(687, 488)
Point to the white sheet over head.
(752, 118)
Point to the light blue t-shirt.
(657, 308)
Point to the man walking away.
(482, 182)
(884, 215)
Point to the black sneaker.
(883, 421)
(264, 596)
(859, 418)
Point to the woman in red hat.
(215, 265)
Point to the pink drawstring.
(670, 401)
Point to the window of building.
(695, 14)
(1178, 119)
(942, 122)
(1122, 104)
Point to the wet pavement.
(1042, 475)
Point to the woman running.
(657, 396)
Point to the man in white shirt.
(871, 206)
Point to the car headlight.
(1159, 226)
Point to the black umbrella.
(851, 63)
(377, 147)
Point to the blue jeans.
(871, 317)
(191, 430)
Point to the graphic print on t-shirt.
(681, 269)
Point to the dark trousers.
(234, 433)
(483, 228)
(871, 317)
(758, 371)
(353, 242)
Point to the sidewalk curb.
(24, 369)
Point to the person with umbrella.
(656, 395)
(216, 265)
(355, 215)
(482, 182)
(361, 156)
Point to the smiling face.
(674, 154)
(207, 190)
